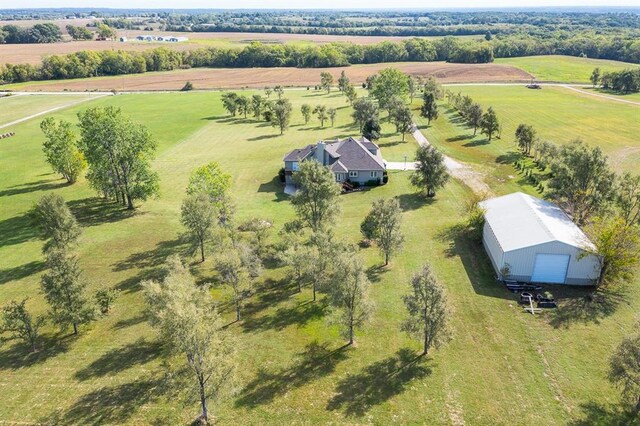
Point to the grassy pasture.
(503, 366)
(563, 69)
(16, 107)
(558, 114)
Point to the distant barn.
(533, 240)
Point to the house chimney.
(319, 154)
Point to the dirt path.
(50, 110)
(461, 171)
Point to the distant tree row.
(625, 81)
(39, 33)
(474, 116)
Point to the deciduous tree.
(595, 77)
(525, 137)
(382, 224)
(326, 81)
(56, 222)
(350, 93)
(316, 201)
(403, 120)
(238, 267)
(332, 113)
(474, 117)
(390, 83)
(305, 109)
(372, 129)
(489, 123)
(18, 323)
(624, 370)
(427, 308)
(230, 102)
(343, 82)
(431, 172)
(364, 109)
(198, 215)
(429, 109)
(188, 321)
(628, 199)
(61, 149)
(321, 112)
(281, 114)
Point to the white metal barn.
(537, 242)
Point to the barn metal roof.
(519, 220)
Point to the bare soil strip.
(236, 78)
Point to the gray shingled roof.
(368, 144)
(354, 156)
(299, 154)
(338, 167)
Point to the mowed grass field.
(563, 69)
(558, 114)
(17, 107)
(502, 367)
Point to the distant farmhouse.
(352, 161)
(165, 39)
(533, 240)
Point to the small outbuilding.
(533, 240)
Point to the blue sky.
(315, 4)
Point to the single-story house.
(533, 240)
(350, 160)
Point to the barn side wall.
(582, 271)
(492, 247)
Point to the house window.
(374, 174)
(294, 166)
(339, 177)
(353, 174)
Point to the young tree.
(267, 92)
(332, 113)
(595, 77)
(343, 82)
(237, 268)
(489, 123)
(56, 222)
(349, 294)
(382, 224)
(429, 109)
(281, 114)
(61, 149)
(474, 117)
(326, 80)
(188, 321)
(230, 102)
(412, 86)
(243, 105)
(624, 370)
(119, 154)
(350, 93)
(20, 324)
(322, 252)
(628, 199)
(257, 105)
(364, 109)
(430, 173)
(65, 290)
(617, 248)
(279, 91)
(198, 215)
(211, 180)
(297, 257)
(260, 229)
(372, 129)
(403, 120)
(321, 112)
(525, 137)
(428, 313)
(581, 181)
(316, 201)
(305, 109)
(390, 83)
(105, 297)
(431, 85)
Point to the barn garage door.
(550, 268)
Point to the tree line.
(624, 81)
(39, 33)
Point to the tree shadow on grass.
(19, 355)
(509, 158)
(37, 186)
(414, 201)
(221, 118)
(130, 322)
(21, 271)
(612, 415)
(274, 186)
(585, 305)
(151, 258)
(315, 362)
(460, 138)
(95, 211)
(17, 230)
(116, 360)
(358, 393)
(283, 317)
(263, 137)
(109, 404)
(270, 293)
(478, 142)
(474, 258)
(374, 273)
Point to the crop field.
(503, 366)
(216, 78)
(563, 69)
(559, 115)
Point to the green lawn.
(558, 114)
(563, 69)
(503, 366)
(16, 107)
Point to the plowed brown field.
(219, 78)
